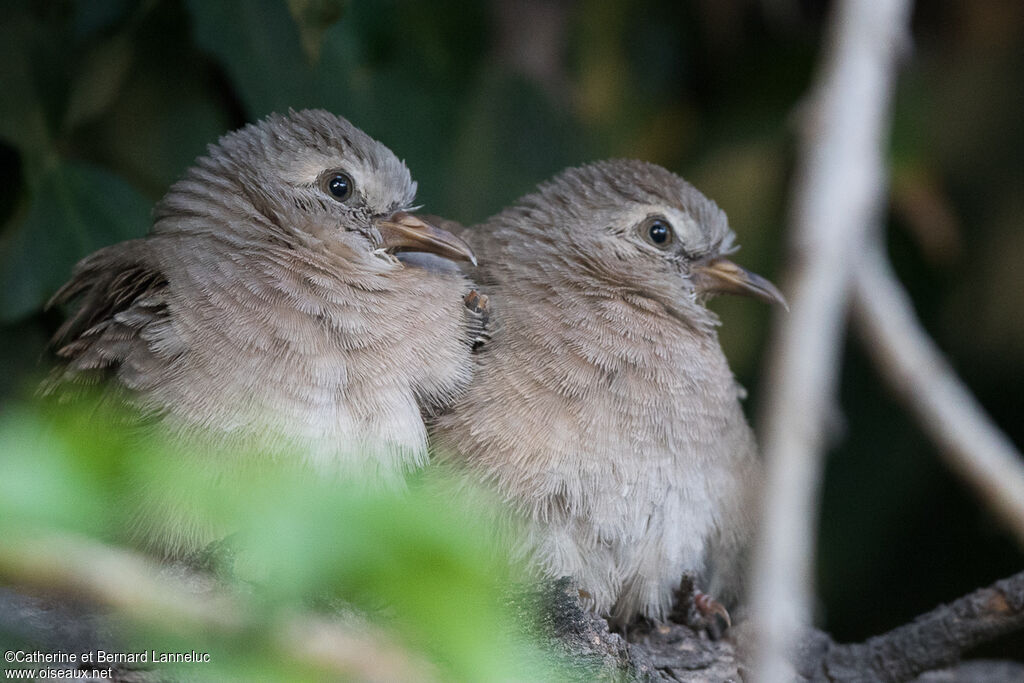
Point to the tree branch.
(838, 189)
(674, 652)
(934, 640)
(916, 370)
(192, 603)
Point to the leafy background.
(106, 102)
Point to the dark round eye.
(340, 186)
(659, 232)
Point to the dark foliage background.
(106, 102)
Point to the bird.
(602, 410)
(268, 308)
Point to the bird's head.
(314, 178)
(637, 228)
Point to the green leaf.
(75, 209)
(429, 565)
(44, 484)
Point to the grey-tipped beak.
(722, 276)
(403, 231)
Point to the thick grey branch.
(838, 188)
(924, 381)
(930, 643)
(934, 640)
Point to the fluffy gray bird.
(267, 308)
(603, 408)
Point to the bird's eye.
(340, 186)
(658, 232)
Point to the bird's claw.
(477, 302)
(714, 615)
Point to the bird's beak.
(402, 231)
(722, 276)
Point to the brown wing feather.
(119, 293)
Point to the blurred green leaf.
(75, 209)
(313, 18)
(425, 564)
(103, 73)
(50, 489)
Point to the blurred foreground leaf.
(426, 565)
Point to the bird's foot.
(713, 615)
(479, 307)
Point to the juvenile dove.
(267, 308)
(603, 408)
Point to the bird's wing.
(120, 294)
